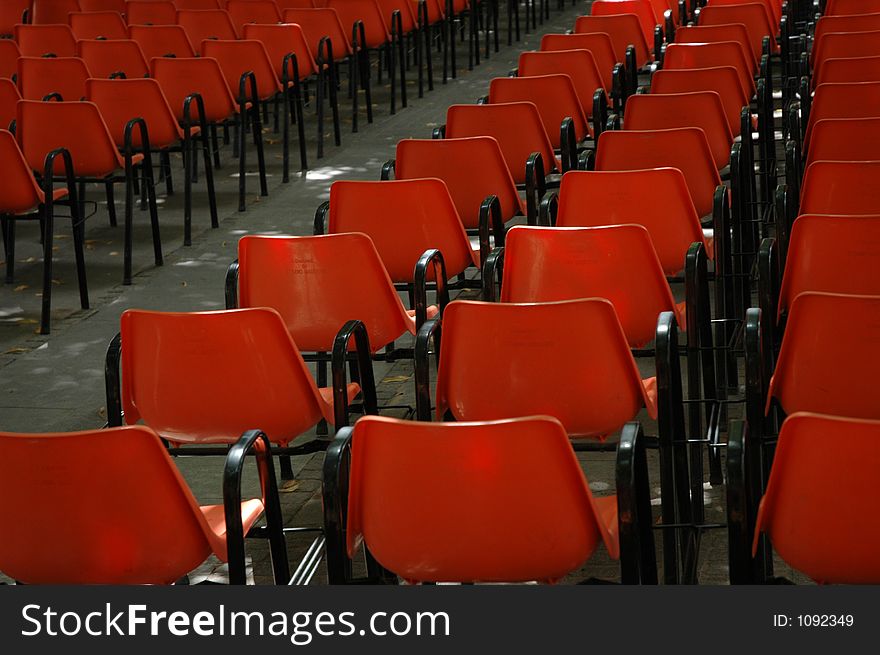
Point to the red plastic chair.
(656, 198)
(12, 14)
(39, 77)
(9, 54)
(841, 187)
(704, 33)
(852, 69)
(42, 127)
(150, 12)
(600, 47)
(385, 498)
(23, 198)
(109, 58)
(625, 31)
(579, 65)
(180, 78)
(52, 12)
(162, 41)
(45, 40)
(201, 24)
(839, 45)
(473, 169)
(850, 100)
(9, 97)
(98, 25)
(701, 109)
(114, 532)
(755, 16)
(712, 55)
(845, 139)
(122, 100)
(773, 7)
(642, 9)
(261, 12)
(821, 530)
(851, 7)
(684, 148)
(723, 80)
(855, 23)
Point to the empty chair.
(855, 23)
(380, 490)
(845, 139)
(772, 7)
(702, 109)
(150, 12)
(98, 25)
(52, 12)
(9, 54)
(598, 45)
(841, 187)
(625, 31)
(23, 198)
(704, 33)
(45, 40)
(242, 12)
(820, 529)
(848, 100)
(201, 24)
(712, 55)
(11, 14)
(106, 58)
(162, 41)
(642, 9)
(579, 65)
(754, 16)
(837, 45)
(723, 80)
(854, 69)
(39, 77)
(116, 532)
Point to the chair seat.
(57, 194)
(606, 513)
(433, 310)
(351, 392)
(650, 385)
(251, 510)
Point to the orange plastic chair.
(841, 187)
(821, 530)
(52, 12)
(120, 101)
(656, 198)
(150, 12)
(180, 78)
(831, 254)
(39, 77)
(851, 7)
(845, 139)
(12, 14)
(855, 23)
(23, 198)
(445, 536)
(201, 24)
(642, 9)
(599, 46)
(517, 127)
(838, 45)
(850, 100)
(579, 65)
(473, 169)
(114, 532)
(852, 69)
(9, 97)
(42, 127)
(723, 80)
(162, 41)
(98, 25)
(683, 148)
(755, 16)
(625, 31)
(704, 33)
(702, 109)
(109, 58)
(45, 40)
(406, 218)
(9, 54)
(712, 55)
(270, 274)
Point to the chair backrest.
(376, 28)
(42, 127)
(233, 370)
(854, 23)
(103, 58)
(832, 254)
(98, 24)
(75, 490)
(9, 54)
(242, 12)
(122, 100)
(642, 9)
(844, 100)
(616, 262)
(828, 360)
(162, 41)
(19, 191)
(554, 96)
(201, 24)
(851, 69)
(502, 360)
(472, 168)
(238, 57)
(703, 33)
(319, 23)
(295, 4)
(841, 187)
(407, 9)
(656, 198)
(624, 30)
(150, 12)
(9, 97)
(394, 508)
(198, 4)
(598, 44)
(182, 77)
(851, 7)
(723, 80)
(683, 148)
(702, 109)
(820, 529)
(11, 14)
(280, 40)
(517, 127)
(712, 55)
(754, 16)
(838, 45)
(579, 65)
(52, 12)
(772, 7)
(103, 5)
(43, 40)
(845, 139)
(404, 218)
(40, 76)
(284, 272)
